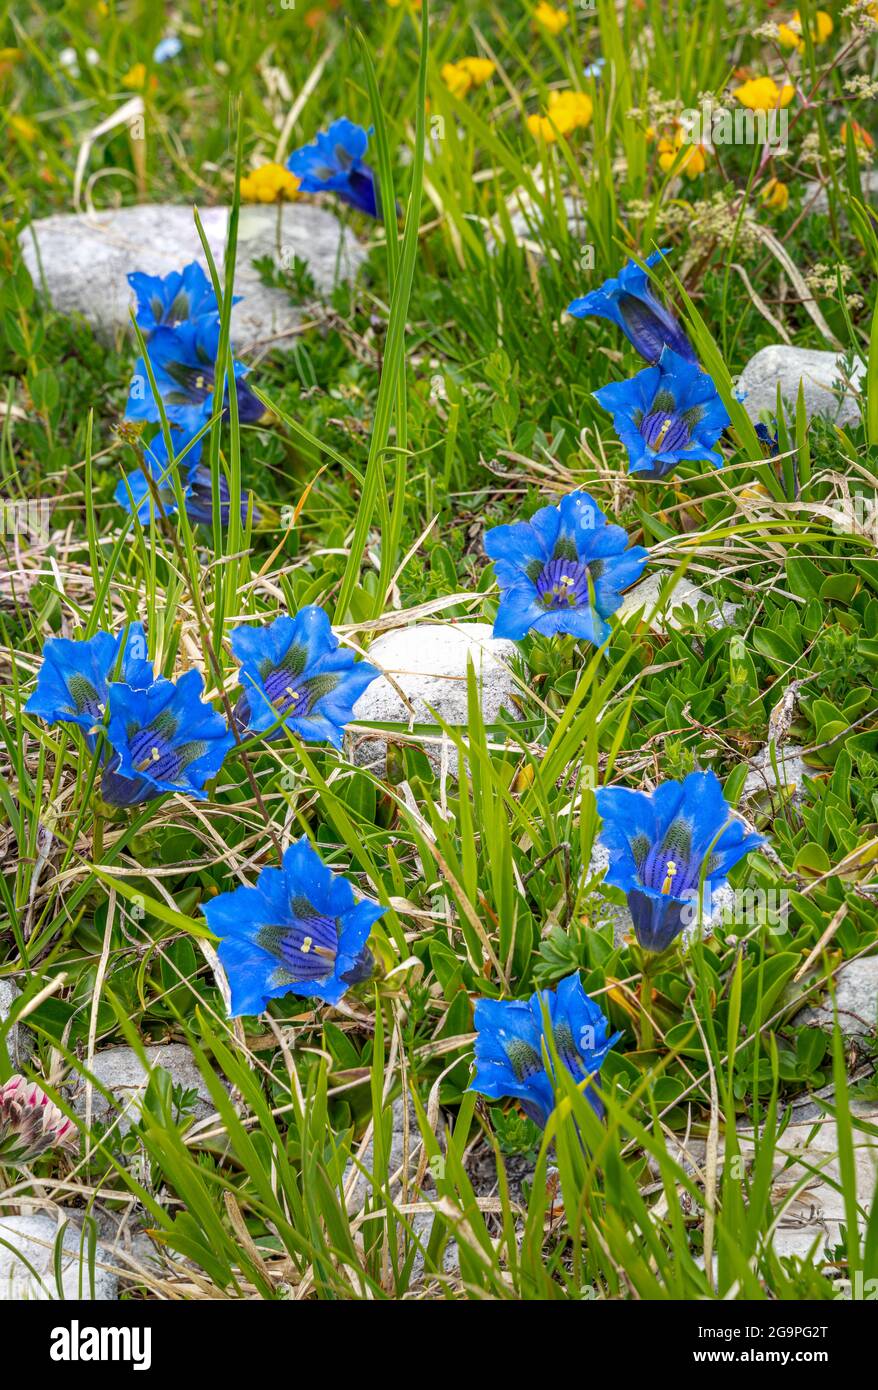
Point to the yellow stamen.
(325, 951)
(153, 757)
(671, 871)
(307, 943)
(661, 434)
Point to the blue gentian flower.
(74, 681)
(510, 1042)
(657, 846)
(665, 415)
(562, 571)
(765, 435)
(333, 163)
(165, 738)
(165, 302)
(629, 302)
(298, 931)
(182, 361)
(199, 498)
(133, 491)
(294, 668)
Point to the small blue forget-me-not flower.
(657, 846)
(299, 930)
(562, 571)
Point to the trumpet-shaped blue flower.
(333, 163)
(165, 302)
(182, 361)
(628, 301)
(510, 1045)
(298, 931)
(665, 415)
(658, 845)
(165, 738)
(562, 571)
(295, 670)
(74, 681)
(134, 493)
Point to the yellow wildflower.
(479, 69)
(861, 136)
(790, 35)
(270, 183)
(763, 94)
(135, 78)
(23, 128)
(568, 111)
(775, 195)
(691, 164)
(549, 18)
(469, 72)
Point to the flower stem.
(97, 839)
(647, 1037)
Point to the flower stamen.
(671, 870)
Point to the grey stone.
(429, 663)
(856, 997)
(33, 1240)
(18, 1039)
(762, 780)
(119, 1070)
(361, 1187)
(86, 258)
(816, 1212)
(817, 371)
(816, 198)
(645, 595)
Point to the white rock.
(120, 1072)
(18, 1038)
(33, 1240)
(645, 595)
(856, 997)
(86, 258)
(816, 199)
(817, 1212)
(429, 663)
(817, 371)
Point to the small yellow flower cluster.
(135, 78)
(763, 94)
(568, 111)
(460, 77)
(775, 195)
(270, 183)
(550, 19)
(692, 163)
(790, 35)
